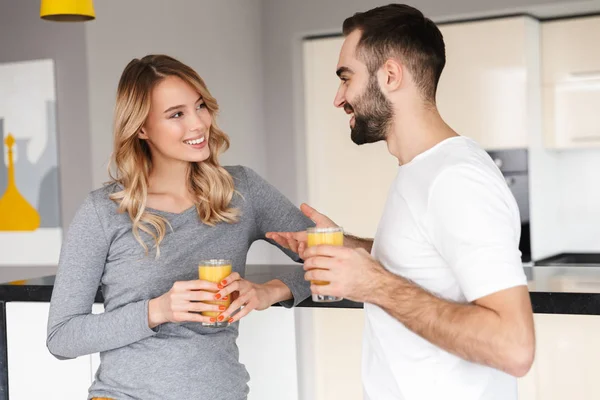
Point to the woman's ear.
(142, 134)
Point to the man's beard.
(372, 115)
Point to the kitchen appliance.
(578, 259)
(514, 167)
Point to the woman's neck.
(172, 179)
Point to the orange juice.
(329, 236)
(215, 271)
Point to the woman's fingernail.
(213, 320)
(224, 282)
(230, 320)
(220, 286)
(226, 298)
(221, 318)
(222, 308)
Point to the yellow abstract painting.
(30, 223)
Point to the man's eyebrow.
(342, 70)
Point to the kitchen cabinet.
(95, 358)
(34, 373)
(566, 358)
(565, 364)
(267, 345)
(490, 84)
(567, 351)
(571, 82)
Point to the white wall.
(221, 40)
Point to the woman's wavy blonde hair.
(211, 185)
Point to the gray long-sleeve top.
(174, 360)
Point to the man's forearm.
(356, 242)
(469, 331)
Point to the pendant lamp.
(67, 10)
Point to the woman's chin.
(199, 157)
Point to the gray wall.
(221, 40)
(24, 36)
(286, 22)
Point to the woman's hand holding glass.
(247, 296)
(183, 303)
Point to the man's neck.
(416, 130)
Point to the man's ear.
(393, 73)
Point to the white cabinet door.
(487, 88)
(267, 345)
(95, 358)
(33, 373)
(337, 350)
(527, 386)
(567, 355)
(571, 82)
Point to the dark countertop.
(555, 289)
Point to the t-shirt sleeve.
(273, 212)
(474, 224)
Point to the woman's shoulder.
(245, 179)
(100, 198)
(237, 171)
(241, 175)
(252, 186)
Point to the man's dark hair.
(402, 32)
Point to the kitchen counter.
(565, 298)
(554, 289)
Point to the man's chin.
(360, 138)
(357, 138)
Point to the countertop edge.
(542, 302)
(552, 298)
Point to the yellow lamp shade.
(67, 10)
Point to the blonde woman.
(170, 204)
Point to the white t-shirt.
(452, 226)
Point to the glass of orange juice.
(215, 271)
(331, 237)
